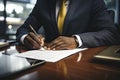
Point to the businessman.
(68, 24)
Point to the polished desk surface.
(72, 69)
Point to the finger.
(62, 47)
(42, 39)
(31, 43)
(27, 44)
(42, 42)
(54, 42)
(35, 37)
(56, 45)
(40, 36)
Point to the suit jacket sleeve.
(31, 20)
(105, 32)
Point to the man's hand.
(62, 42)
(33, 41)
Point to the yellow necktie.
(61, 16)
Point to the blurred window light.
(10, 27)
(11, 7)
(1, 7)
(33, 1)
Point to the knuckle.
(31, 33)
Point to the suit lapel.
(53, 15)
(70, 14)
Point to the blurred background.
(13, 13)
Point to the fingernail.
(48, 48)
(53, 48)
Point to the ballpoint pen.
(33, 30)
(42, 48)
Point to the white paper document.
(49, 55)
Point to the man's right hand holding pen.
(33, 41)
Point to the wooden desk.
(70, 69)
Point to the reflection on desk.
(11, 65)
(72, 69)
(9, 51)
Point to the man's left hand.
(62, 42)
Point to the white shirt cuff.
(79, 40)
(22, 38)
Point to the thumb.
(42, 41)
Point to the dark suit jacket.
(87, 18)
